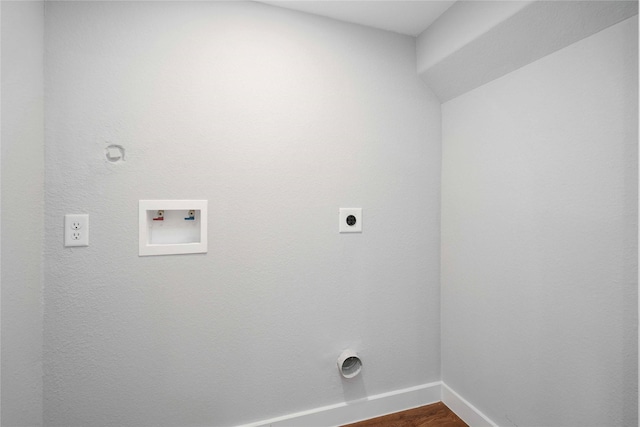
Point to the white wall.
(475, 42)
(278, 119)
(459, 26)
(22, 194)
(539, 238)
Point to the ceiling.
(404, 17)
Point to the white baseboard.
(465, 410)
(351, 412)
(382, 404)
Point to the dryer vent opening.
(349, 364)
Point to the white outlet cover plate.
(76, 230)
(343, 226)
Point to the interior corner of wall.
(425, 80)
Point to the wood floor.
(435, 415)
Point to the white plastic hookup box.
(170, 227)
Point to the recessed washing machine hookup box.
(172, 227)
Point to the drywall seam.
(349, 412)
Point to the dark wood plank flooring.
(435, 415)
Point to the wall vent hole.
(351, 367)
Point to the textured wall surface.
(539, 238)
(22, 195)
(278, 119)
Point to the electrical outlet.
(76, 230)
(350, 220)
